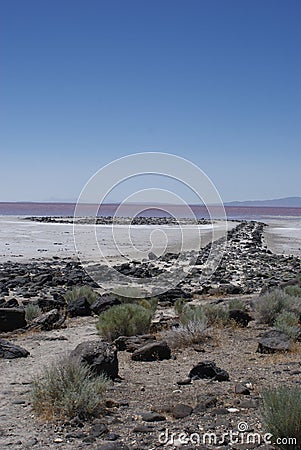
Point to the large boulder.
(241, 317)
(11, 351)
(49, 320)
(103, 303)
(12, 318)
(274, 341)
(79, 307)
(132, 343)
(99, 356)
(155, 351)
(11, 303)
(209, 370)
(47, 304)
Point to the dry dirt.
(145, 386)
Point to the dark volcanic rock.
(79, 307)
(241, 389)
(113, 446)
(11, 303)
(152, 417)
(47, 304)
(132, 343)
(11, 351)
(49, 320)
(205, 401)
(100, 356)
(208, 369)
(274, 341)
(12, 318)
(152, 256)
(173, 294)
(240, 317)
(152, 352)
(103, 303)
(181, 410)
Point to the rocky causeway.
(151, 401)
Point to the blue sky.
(84, 82)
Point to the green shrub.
(150, 304)
(66, 389)
(216, 314)
(271, 304)
(192, 314)
(179, 305)
(235, 303)
(124, 320)
(281, 413)
(81, 291)
(32, 312)
(294, 290)
(287, 322)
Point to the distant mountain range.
(287, 202)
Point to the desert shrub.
(66, 389)
(187, 334)
(281, 412)
(216, 314)
(191, 330)
(293, 290)
(32, 311)
(235, 303)
(150, 303)
(124, 320)
(179, 305)
(192, 314)
(81, 291)
(271, 304)
(287, 322)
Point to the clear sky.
(83, 82)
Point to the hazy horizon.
(70, 201)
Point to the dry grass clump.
(185, 335)
(281, 413)
(66, 389)
(192, 327)
(32, 311)
(81, 291)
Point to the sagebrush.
(287, 322)
(32, 311)
(128, 319)
(81, 291)
(66, 389)
(271, 304)
(281, 412)
(216, 314)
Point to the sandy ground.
(23, 240)
(145, 386)
(283, 236)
